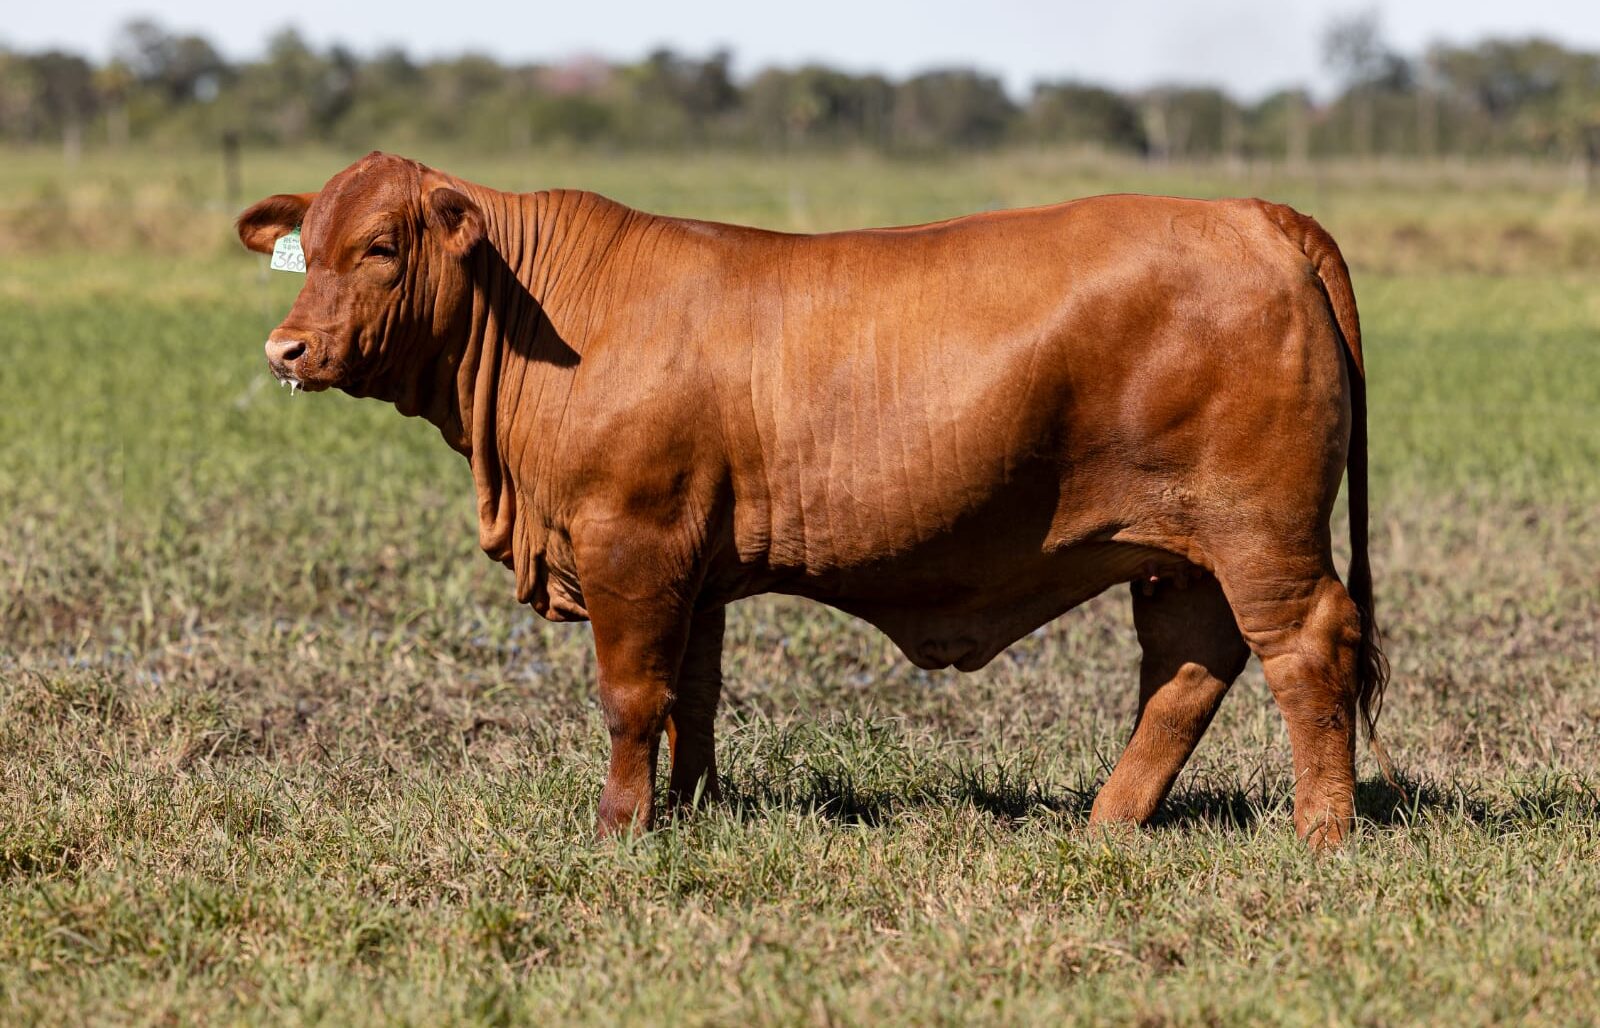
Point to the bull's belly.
(965, 620)
(971, 583)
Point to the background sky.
(1249, 46)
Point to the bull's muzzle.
(287, 355)
(284, 351)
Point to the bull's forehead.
(377, 187)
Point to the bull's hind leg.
(1302, 624)
(1192, 653)
(691, 724)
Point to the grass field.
(277, 746)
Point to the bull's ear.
(261, 225)
(454, 219)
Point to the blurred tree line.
(1525, 97)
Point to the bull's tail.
(1372, 667)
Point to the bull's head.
(387, 283)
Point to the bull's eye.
(382, 249)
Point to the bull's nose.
(286, 350)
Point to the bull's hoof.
(623, 819)
(1326, 831)
(1120, 807)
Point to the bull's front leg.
(638, 645)
(641, 609)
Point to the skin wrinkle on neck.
(543, 253)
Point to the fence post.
(232, 189)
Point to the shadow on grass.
(1377, 803)
(840, 799)
(837, 798)
(1542, 799)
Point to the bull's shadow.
(836, 798)
(520, 315)
(1377, 803)
(1415, 801)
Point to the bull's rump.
(964, 417)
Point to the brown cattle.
(956, 432)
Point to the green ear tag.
(287, 255)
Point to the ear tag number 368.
(287, 255)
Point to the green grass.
(277, 746)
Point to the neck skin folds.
(532, 279)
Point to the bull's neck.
(557, 242)
(539, 261)
(538, 269)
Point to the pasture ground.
(276, 746)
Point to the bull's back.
(948, 399)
